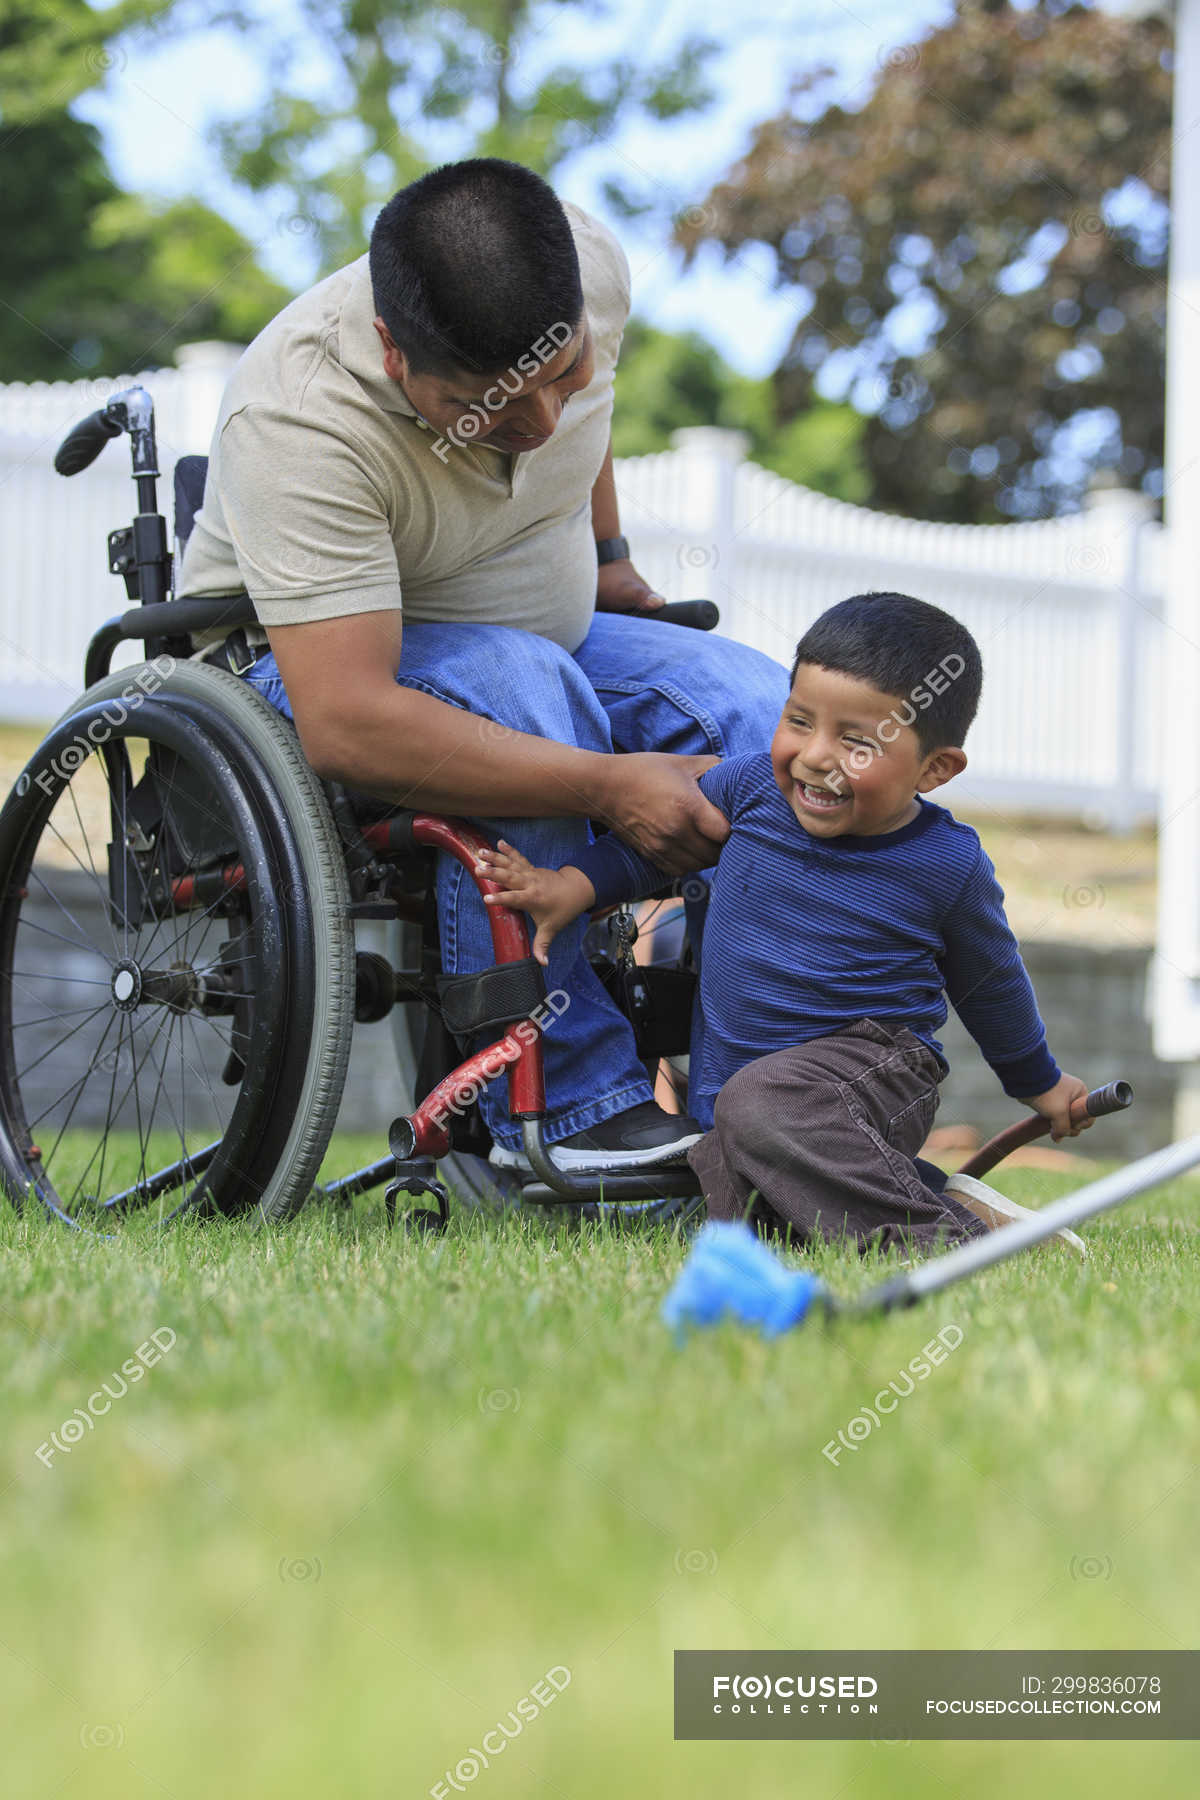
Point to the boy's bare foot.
(996, 1211)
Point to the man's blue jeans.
(633, 684)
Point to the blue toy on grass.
(730, 1274)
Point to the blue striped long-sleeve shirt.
(804, 935)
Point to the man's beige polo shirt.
(326, 496)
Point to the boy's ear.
(940, 766)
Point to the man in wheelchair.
(411, 477)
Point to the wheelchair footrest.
(588, 1184)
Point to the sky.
(161, 98)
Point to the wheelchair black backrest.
(190, 473)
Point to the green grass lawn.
(379, 1485)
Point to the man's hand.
(1063, 1105)
(551, 897)
(620, 589)
(654, 803)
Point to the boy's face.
(845, 764)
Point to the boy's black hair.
(895, 643)
(471, 265)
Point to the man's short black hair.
(905, 648)
(471, 265)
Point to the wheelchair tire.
(245, 843)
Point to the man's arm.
(619, 587)
(359, 727)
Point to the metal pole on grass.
(1009, 1240)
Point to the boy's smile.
(845, 764)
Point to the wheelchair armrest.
(179, 618)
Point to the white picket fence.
(1067, 612)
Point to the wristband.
(612, 550)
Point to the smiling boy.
(845, 910)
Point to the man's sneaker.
(645, 1137)
(995, 1210)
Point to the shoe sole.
(996, 1212)
(610, 1163)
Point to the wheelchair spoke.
(85, 942)
(90, 873)
(163, 1092)
(166, 1021)
(87, 844)
(189, 1018)
(160, 1087)
(33, 925)
(146, 902)
(39, 1060)
(126, 859)
(43, 975)
(66, 1012)
(78, 1084)
(137, 1092)
(102, 1145)
(191, 920)
(168, 913)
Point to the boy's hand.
(551, 897)
(1063, 1106)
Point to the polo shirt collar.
(359, 350)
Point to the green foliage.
(822, 448)
(96, 279)
(51, 51)
(666, 381)
(102, 280)
(400, 68)
(979, 182)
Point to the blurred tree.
(666, 380)
(95, 278)
(663, 382)
(404, 71)
(982, 250)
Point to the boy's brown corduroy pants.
(821, 1139)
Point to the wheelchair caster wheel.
(418, 1218)
(421, 1221)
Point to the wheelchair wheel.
(176, 960)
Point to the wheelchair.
(179, 973)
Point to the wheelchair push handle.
(131, 411)
(84, 442)
(701, 615)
